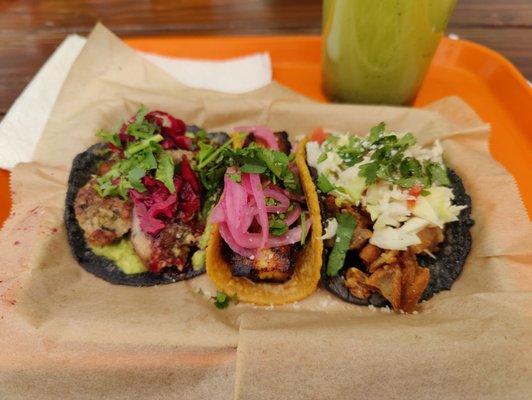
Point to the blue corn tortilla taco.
(135, 209)
(396, 220)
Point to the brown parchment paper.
(66, 334)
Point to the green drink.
(378, 51)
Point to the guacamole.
(124, 256)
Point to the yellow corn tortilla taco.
(306, 274)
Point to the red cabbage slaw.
(243, 203)
(156, 207)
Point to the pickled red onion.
(258, 194)
(263, 133)
(292, 236)
(226, 235)
(241, 204)
(293, 215)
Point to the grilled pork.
(103, 219)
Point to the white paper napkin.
(24, 123)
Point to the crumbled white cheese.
(331, 225)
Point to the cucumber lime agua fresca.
(378, 51)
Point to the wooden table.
(30, 30)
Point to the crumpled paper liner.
(66, 334)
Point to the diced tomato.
(415, 192)
(319, 135)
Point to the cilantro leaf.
(322, 157)
(146, 159)
(277, 227)
(253, 168)
(407, 140)
(270, 201)
(369, 171)
(135, 147)
(235, 177)
(438, 173)
(134, 176)
(324, 184)
(221, 300)
(165, 171)
(376, 132)
(140, 128)
(109, 137)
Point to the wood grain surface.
(30, 30)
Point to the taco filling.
(136, 201)
(262, 224)
(386, 203)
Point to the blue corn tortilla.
(444, 269)
(84, 165)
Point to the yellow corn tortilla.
(306, 276)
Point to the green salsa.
(378, 51)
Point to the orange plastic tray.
(480, 76)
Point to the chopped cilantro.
(236, 177)
(277, 227)
(382, 156)
(109, 137)
(135, 147)
(140, 156)
(376, 132)
(438, 173)
(221, 300)
(253, 168)
(369, 171)
(270, 201)
(323, 183)
(322, 157)
(407, 140)
(134, 176)
(165, 171)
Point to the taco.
(135, 212)
(396, 220)
(264, 244)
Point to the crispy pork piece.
(387, 280)
(369, 254)
(354, 280)
(360, 238)
(414, 281)
(409, 267)
(388, 257)
(103, 219)
(430, 238)
(272, 265)
(331, 209)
